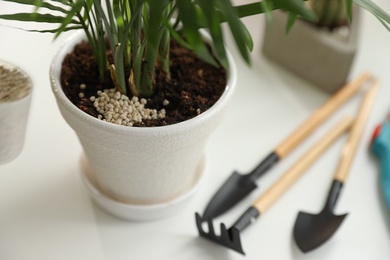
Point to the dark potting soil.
(194, 86)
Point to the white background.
(45, 212)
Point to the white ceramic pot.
(136, 168)
(13, 118)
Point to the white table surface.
(45, 212)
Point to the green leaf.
(267, 5)
(137, 65)
(294, 6)
(120, 50)
(240, 33)
(174, 33)
(213, 24)
(250, 9)
(87, 9)
(153, 31)
(378, 12)
(116, 9)
(188, 16)
(69, 28)
(112, 22)
(163, 52)
(110, 32)
(38, 4)
(76, 7)
(290, 22)
(297, 7)
(35, 17)
(24, 2)
(348, 8)
(154, 22)
(119, 68)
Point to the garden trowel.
(312, 230)
(238, 186)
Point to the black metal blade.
(234, 189)
(237, 187)
(311, 231)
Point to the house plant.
(15, 99)
(134, 168)
(321, 52)
(131, 169)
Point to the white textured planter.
(13, 121)
(139, 167)
(316, 55)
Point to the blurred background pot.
(15, 100)
(318, 55)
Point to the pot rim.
(55, 70)
(10, 65)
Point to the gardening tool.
(310, 231)
(231, 237)
(380, 146)
(238, 186)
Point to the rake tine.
(229, 237)
(211, 227)
(199, 221)
(224, 232)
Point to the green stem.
(97, 51)
(163, 57)
(135, 36)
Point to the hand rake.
(231, 237)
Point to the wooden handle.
(320, 115)
(357, 130)
(301, 165)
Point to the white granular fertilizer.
(117, 108)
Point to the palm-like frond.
(139, 31)
(378, 12)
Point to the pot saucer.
(135, 212)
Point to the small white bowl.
(141, 212)
(14, 115)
